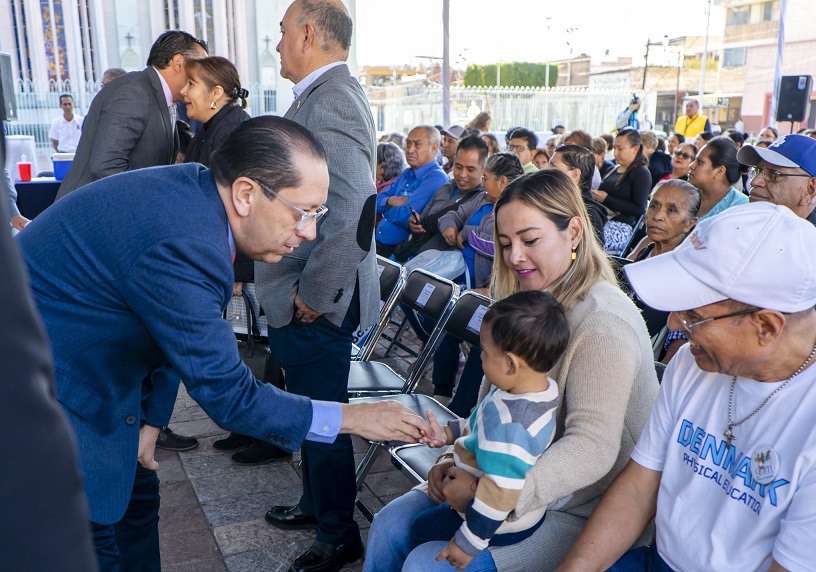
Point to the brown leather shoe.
(323, 557)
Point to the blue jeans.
(389, 548)
(643, 559)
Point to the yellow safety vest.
(688, 127)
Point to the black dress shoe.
(259, 453)
(174, 442)
(322, 557)
(290, 518)
(234, 442)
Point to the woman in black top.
(625, 190)
(214, 96)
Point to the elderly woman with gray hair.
(670, 217)
(390, 163)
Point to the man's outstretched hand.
(386, 420)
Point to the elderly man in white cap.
(784, 173)
(726, 465)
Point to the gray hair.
(691, 192)
(693, 100)
(392, 158)
(434, 136)
(331, 20)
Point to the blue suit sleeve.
(707, 126)
(177, 289)
(159, 396)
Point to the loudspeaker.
(8, 100)
(794, 97)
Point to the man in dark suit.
(145, 284)
(131, 123)
(43, 520)
(316, 297)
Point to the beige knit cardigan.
(608, 384)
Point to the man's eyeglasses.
(683, 154)
(772, 176)
(688, 327)
(514, 148)
(305, 217)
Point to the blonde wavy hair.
(556, 196)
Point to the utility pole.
(446, 63)
(705, 56)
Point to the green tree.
(513, 74)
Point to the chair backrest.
(392, 281)
(659, 370)
(638, 232)
(618, 262)
(428, 294)
(465, 319)
(391, 275)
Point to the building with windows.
(750, 49)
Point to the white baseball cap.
(759, 254)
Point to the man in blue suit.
(133, 272)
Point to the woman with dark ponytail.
(714, 172)
(625, 190)
(214, 96)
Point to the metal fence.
(591, 109)
(395, 108)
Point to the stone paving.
(212, 510)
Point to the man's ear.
(769, 325)
(243, 195)
(178, 63)
(810, 193)
(309, 37)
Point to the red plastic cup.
(25, 171)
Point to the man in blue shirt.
(412, 190)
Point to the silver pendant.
(729, 436)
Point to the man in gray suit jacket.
(131, 123)
(316, 297)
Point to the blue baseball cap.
(793, 151)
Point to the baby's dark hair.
(531, 325)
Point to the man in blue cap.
(784, 173)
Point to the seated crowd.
(750, 335)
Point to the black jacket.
(214, 133)
(660, 165)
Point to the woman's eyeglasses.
(683, 154)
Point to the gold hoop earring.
(212, 105)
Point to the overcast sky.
(392, 32)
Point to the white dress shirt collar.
(304, 84)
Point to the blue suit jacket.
(130, 273)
